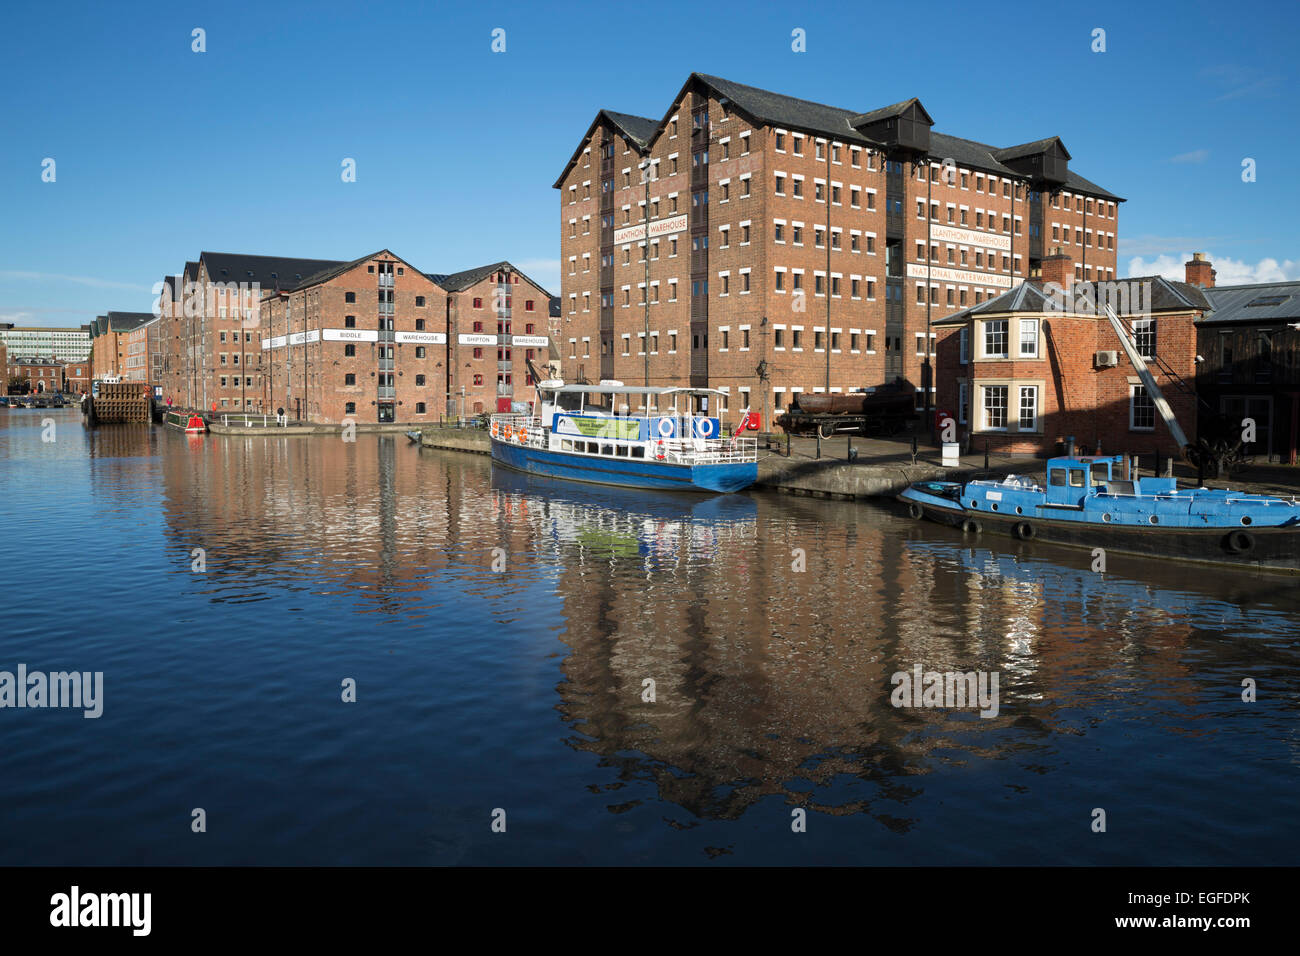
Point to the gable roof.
(1166, 296)
(460, 281)
(765, 108)
(1256, 303)
(639, 129)
(269, 272)
(875, 116)
(126, 321)
(1031, 149)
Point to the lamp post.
(647, 171)
(927, 373)
(826, 190)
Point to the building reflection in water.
(768, 681)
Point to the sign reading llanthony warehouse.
(660, 227)
(968, 237)
(957, 276)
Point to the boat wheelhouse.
(1095, 502)
(587, 433)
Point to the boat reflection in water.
(622, 522)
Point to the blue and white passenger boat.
(585, 433)
(1088, 504)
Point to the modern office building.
(778, 245)
(64, 344)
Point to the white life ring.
(666, 428)
(704, 427)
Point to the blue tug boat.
(1087, 503)
(583, 433)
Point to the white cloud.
(1195, 156)
(1229, 271)
(93, 281)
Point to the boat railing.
(707, 451)
(518, 430)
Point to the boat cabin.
(1071, 480)
(604, 411)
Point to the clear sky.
(161, 152)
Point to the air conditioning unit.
(1106, 359)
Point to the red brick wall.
(311, 380)
(1075, 397)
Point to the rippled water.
(522, 689)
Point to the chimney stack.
(1199, 272)
(1058, 268)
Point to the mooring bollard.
(787, 444)
(986, 454)
(848, 448)
(819, 444)
(914, 450)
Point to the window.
(1029, 338)
(419, 408)
(528, 305)
(478, 379)
(349, 351)
(1028, 408)
(419, 380)
(349, 321)
(963, 402)
(995, 343)
(1144, 334)
(478, 302)
(350, 408)
(1141, 410)
(419, 325)
(349, 379)
(995, 407)
(419, 351)
(349, 297)
(963, 346)
(478, 353)
(419, 301)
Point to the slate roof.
(640, 129)
(874, 116)
(1278, 302)
(790, 112)
(1031, 149)
(460, 281)
(1166, 295)
(269, 272)
(126, 321)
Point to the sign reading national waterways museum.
(660, 227)
(957, 276)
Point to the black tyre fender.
(1023, 530)
(914, 510)
(970, 526)
(1240, 542)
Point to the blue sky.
(161, 152)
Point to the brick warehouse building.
(109, 341)
(500, 303)
(1029, 369)
(213, 333)
(746, 187)
(378, 340)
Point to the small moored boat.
(1087, 504)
